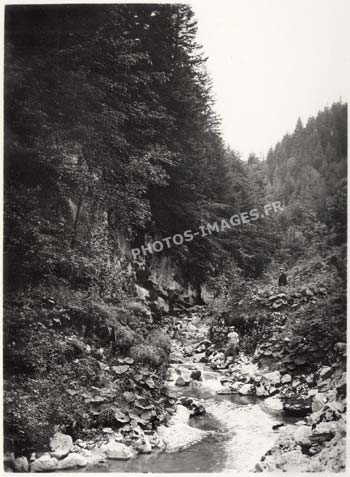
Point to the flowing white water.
(242, 432)
(244, 428)
(249, 431)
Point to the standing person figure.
(282, 280)
(232, 345)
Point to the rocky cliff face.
(160, 274)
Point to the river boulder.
(143, 446)
(60, 445)
(247, 390)
(319, 402)
(302, 435)
(44, 463)
(182, 381)
(324, 373)
(286, 379)
(273, 403)
(196, 375)
(194, 406)
(72, 461)
(117, 451)
(21, 464)
(273, 378)
(325, 431)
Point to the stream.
(242, 432)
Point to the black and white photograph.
(175, 236)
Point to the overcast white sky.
(272, 61)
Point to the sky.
(272, 61)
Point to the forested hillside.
(307, 171)
(112, 143)
(110, 133)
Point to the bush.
(145, 354)
(319, 327)
(160, 340)
(32, 409)
(124, 338)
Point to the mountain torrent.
(115, 360)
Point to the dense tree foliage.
(110, 132)
(307, 171)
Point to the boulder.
(72, 461)
(143, 446)
(274, 403)
(188, 350)
(129, 396)
(197, 410)
(319, 402)
(196, 375)
(195, 407)
(273, 377)
(286, 461)
(310, 379)
(261, 391)
(200, 358)
(325, 385)
(171, 374)
(324, 431)
(22, 464)
(60, 445)
(142, 293)
(340, 348)
(117, 451)
(287, 378)
(44, 463)
(162, 305)
(182, 381)
(325, 372)
(9, 461)
(265, 390)
(247, 389)
(302, 435)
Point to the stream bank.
(226, 432)
(224, 419)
